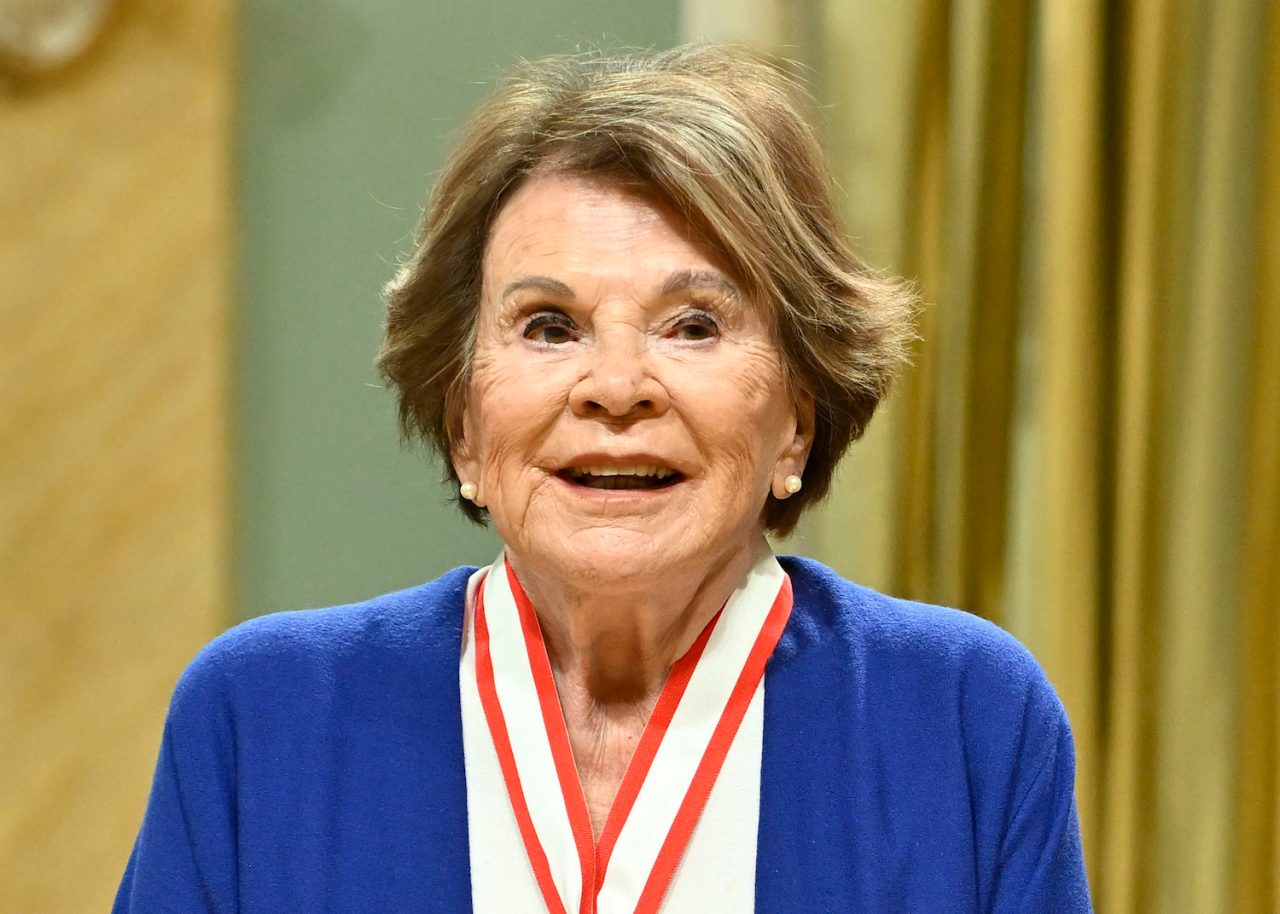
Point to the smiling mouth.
(636, 477)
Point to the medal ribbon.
(674, 766)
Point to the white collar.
(683, 827)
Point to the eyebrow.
(543, 284)
(680, 281)
(686, 280)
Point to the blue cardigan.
(915, 760)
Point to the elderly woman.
(631, 326)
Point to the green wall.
(345, 109)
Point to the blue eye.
(550, 328)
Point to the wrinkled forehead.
(569, 226)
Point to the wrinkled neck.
(611, 647)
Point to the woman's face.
(627, 413)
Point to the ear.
(795, 453)
(466, 462)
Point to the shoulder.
(929, 727)
(894, 629)
(918, 658)
(305, 651)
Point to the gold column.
(114, 317)
(1257, 813)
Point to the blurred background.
(200, 199)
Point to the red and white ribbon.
(673, 771)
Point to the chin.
(618, 555)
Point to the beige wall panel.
(114, 319)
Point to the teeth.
(642, 470)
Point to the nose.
(618, 380)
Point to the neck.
(612, 644)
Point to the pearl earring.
(469, 491)
(793, 484)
